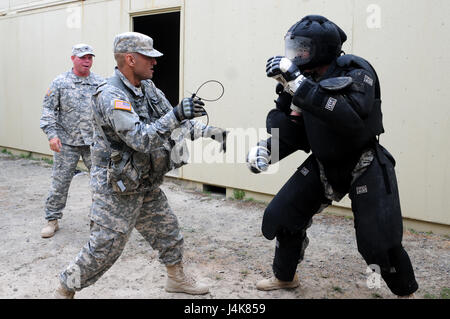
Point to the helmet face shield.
(299, 50)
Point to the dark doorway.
(164, 29)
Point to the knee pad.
(378, 224)
(377, 212)
(399, 277)
(289, 252)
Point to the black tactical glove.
(284, 71)
(284, 100)
(258, 158)
(279, 65)
(189, 108)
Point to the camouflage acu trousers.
(149, 213)
(64, 165)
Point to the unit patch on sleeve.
(122, 105)
(361, 189)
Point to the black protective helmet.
(313, 41)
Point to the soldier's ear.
(130, 60)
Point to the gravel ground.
(224, 247)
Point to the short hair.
(120, 59)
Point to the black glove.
(279, 65)
(284, 71)
(284, 100)
(189, 108)
(258, 159)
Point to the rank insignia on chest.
(122, 105)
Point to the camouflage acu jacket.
(137, 120)
(66, 111)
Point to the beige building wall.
(230, 40)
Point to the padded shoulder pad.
(345, 60)
(350, 60)
(336, 84)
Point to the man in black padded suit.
(329, 104)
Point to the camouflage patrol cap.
(135, 42)
(82, 49)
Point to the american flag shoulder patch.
(122, 105)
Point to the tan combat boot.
(49, 230)
(177, 281)
(62, 293)
(274, 283)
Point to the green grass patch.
(5, 151)
(26, 156)
(338, 289)
(47, 160)
(238, 194)
(445, 293)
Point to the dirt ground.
(224, 247)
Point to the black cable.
(206, 82)
(213, 100)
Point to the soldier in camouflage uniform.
(138, 137)
(66, 122)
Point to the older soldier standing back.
(133, 149)
(66, 122)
